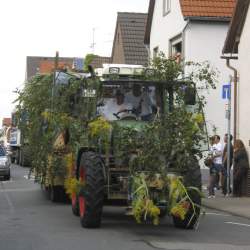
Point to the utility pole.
(228, 116)
(56, 62)
(92, 46)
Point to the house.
(98, 61)
(5, 131)
(6, 122)
(237, 44)
(128, 44)
(45, 65)
(195, 30)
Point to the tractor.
(103, 168)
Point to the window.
(155, 52)
(176, 47)
(166, 7)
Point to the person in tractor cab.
(115, 108)
(141, 102)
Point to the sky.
(42, 27)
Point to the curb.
(225, 210)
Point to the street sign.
(226, 91)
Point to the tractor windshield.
(128, 102)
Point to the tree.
(88, 60)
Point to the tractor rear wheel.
(91, 196)
(56, 194)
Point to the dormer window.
(176, 48)
(166, 7)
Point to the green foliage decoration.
(173, 141)
(46, 109)
(88, 60)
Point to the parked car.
(4, 164)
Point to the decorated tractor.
(141, 150)
(127, 135)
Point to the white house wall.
(204, 42)
(165, 27)
(244, 83)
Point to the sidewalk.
(232, 205)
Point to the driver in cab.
(115, 108)
(141, 102)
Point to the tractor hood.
(137, 125)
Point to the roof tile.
(133, 27)
(208, 8)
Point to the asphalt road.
(28, 221)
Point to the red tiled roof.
(6, 122)
(46, 67)
(208, 8)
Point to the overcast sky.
(41, 27)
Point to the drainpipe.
(235, 93)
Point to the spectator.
(241, 166)
(224, 164)
(212, 170)
(217, 160)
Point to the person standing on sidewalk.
(241, 167)
(216, 167)
(212, 170)
(224, 164)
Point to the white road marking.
(19, 189)
(32, 177)
(238, 224)
(9, 202)
(218, 214)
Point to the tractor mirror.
(190, 96)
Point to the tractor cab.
(128, 95)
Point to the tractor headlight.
(114, 70)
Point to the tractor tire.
(7, 177)
(163, 212)
(192, 178)
(191, 219)
(75, 205)
(56, 194)
(91, 196)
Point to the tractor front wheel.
(91, 195)
(193, 213)
(75, 204)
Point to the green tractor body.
(105, 167)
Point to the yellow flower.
(198, 118)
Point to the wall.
(204, 42)
(165, 27)
(244, 83)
